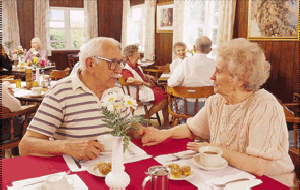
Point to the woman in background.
(179, 50)
(6, 63)
(35, 50)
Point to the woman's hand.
(153, 136)
(147, 84)
(195, 146)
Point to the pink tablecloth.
(33, 166)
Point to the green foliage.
(120, 126)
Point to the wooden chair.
(293, 151)
(180, 92)
(159, 70)
(58, 74)
(125, 87)
(72, 58)
(6, 113)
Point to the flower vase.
(19, 60)
(37, 74)
(117, 179)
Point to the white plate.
(105, 153)
(183, 177)
(92, 169)
(36, 96)
(196, 160)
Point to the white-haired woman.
(246, 122)
(133, 73)
(179, 50)
(35, 50)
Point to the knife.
(77, 162)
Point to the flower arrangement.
(19, 51)
(8, 44)
(38, 61)
(191, 51)
(114, 109)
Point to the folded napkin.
(128, 158)
(166, 157)
(234, 185)
(78, 184)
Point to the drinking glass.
(18, 83)
(35, 83)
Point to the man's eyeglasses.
(113, 63)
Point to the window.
(136, 29)
(66, 27)
(201, 19)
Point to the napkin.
(235, 185)
(202, 176)
(78, 184)
(140, 155)
(165, 75)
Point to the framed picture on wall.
(273, 20)
(164, 21)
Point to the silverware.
(77, 162)
(183, 157)
(224, 184)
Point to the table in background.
(20, 73)
(32, 166)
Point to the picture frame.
(164, 19)
(273, 20)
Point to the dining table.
(25, 167)
(20, 73)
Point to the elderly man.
(69, 119)
(194, 71)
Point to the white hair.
(203, 44)
(38, 40)
(95, 47)
(246, 61)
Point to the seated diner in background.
(35, 51)
(246, 122)
(13, 104)
(194, 71)
(179, 51)
(6, 63)
(70, 117)
(149, 92)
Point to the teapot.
(158, 177)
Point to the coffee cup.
(57, 182)
(106, 141)
(37, 91)
(210, 156)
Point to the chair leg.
(176, 122)
(173, 121)
(2, 153)
(158, 118)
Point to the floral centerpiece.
(38, 61)
(191, 51)
(115, 109)
(18, 52)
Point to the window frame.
(67, 28)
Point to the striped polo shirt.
(72, 111)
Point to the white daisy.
(130, 102)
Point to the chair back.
(72, 59)
(180, 92)
(59, 74)
(7, 114)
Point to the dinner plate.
(196, 160)
(183, 177)
(92, 169)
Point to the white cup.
(37, 91)
(57, 182)
(106, 141)
(210, 156)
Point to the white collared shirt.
(175, 63)
(194, 71)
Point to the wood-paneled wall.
(109, 23)
(282, 55)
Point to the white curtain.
(10, 23)
(90, 19)
(178, 20)
(226, 20)
(41, 24)
(150, 29)
(126, 23)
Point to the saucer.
(92, 169)
(196, 160)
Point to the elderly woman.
(246, 122)
(35, 50)
(179, 50)
(132, 73)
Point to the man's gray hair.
(95, 47)
(203, 44)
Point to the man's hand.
(154, 136)
(10, 90)
(85, 149)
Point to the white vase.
(37, 74)
(117, 179)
